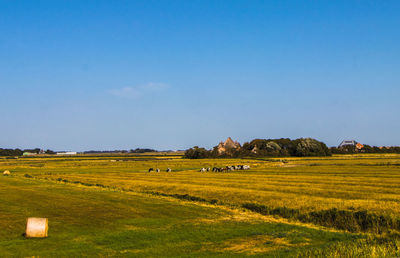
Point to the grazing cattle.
(168, 170)
(208, 169)
(157, 170)
(229, 168)
(203, 170)
(6, 173)
(215, 169)
(151, 169)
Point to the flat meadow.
(99, 205)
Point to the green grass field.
(344, 205)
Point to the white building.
(67, 153)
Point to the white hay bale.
(6, 173)
(36, 227)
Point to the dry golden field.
(370, 182)
(358, 194)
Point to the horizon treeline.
(284, 147)
(349, 149)
(137, 150)
(19, 152)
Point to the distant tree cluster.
(303, 147)
(105, 151)
(139, 150)
(349, 149)
(36, 150)
(92, 152)
(11, 152)
(19, 152)
(50, 152)
(197, 153)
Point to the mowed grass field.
(344, 205)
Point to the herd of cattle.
(158, 170)
(227, 168)
(214, 169)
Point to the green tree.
(196, 153)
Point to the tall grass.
(369, 247)
(352, 221)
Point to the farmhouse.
(347, 143)
(359, 146)
(255, 149)
(228, 145)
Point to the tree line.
(349, 149)
(19, 152)
(303, 147)
(285, 147)
(137, 150)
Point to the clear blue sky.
(81, 75)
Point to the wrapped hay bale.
(36, 227)
(6, 173)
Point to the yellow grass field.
(358, 194)
(369, 182)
